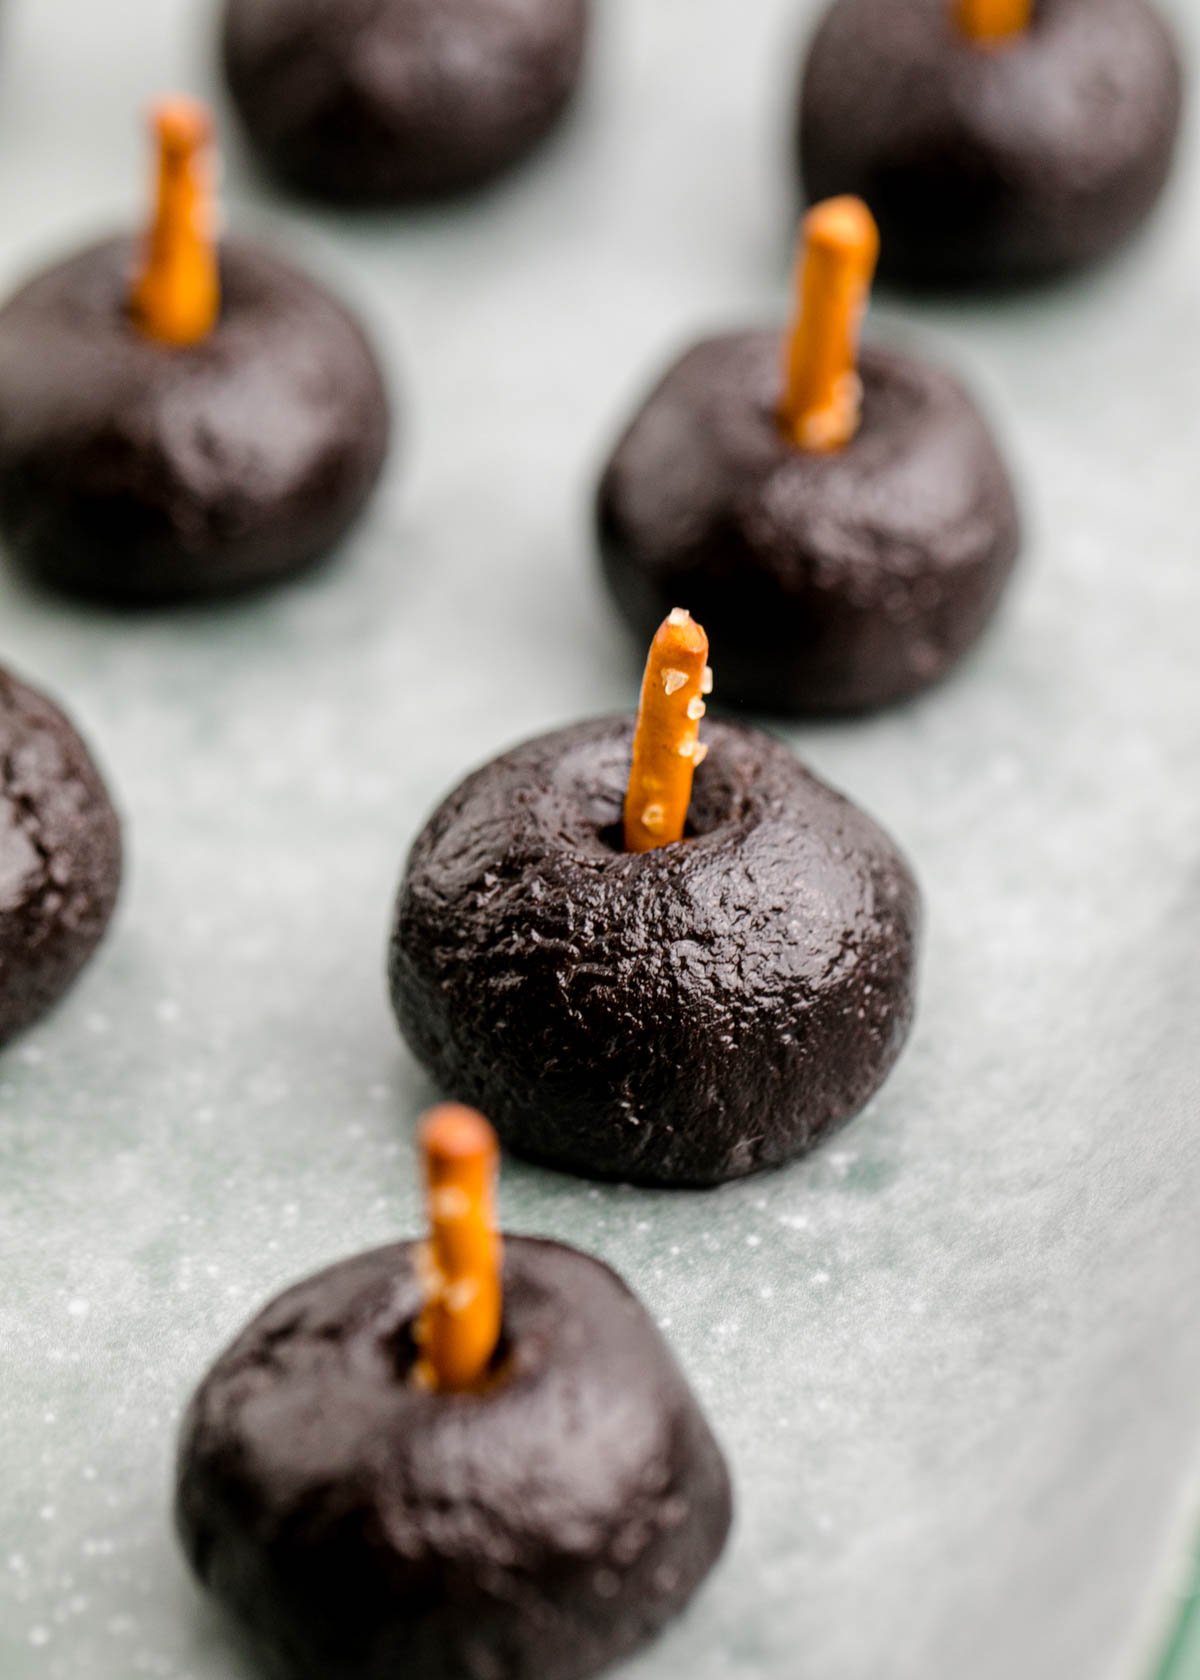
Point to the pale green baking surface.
(955, 1357)
(1182, 1660)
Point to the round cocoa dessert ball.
(134, 471)
(539, 1527)
(829, 582)
(60, 855)
(383, 101)
(679, 1016)
(991, 161)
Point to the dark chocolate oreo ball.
(60, 855)
(135, 471)
(378, 101)
(827, 582)
(539, 1528)
(991, 162)
(674, 1017)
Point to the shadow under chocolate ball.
(60, 855)
(132, 471)
(378, 101)
(674, 1017)
(538, 1528)
(827, 582)
(991, 162)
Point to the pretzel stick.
(993, 20)
(666, 749)
(459, 1327)
(176, 296)
(822, 398)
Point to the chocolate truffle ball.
(60, 855)
(133, 471)
(377, 101)
(827, 582)
(540, 1528)
(991, 162)
(673, 1017)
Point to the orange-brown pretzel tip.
(666, 747)
(822, 397)
(993, 20)
(459, 1327)
(176, 296)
